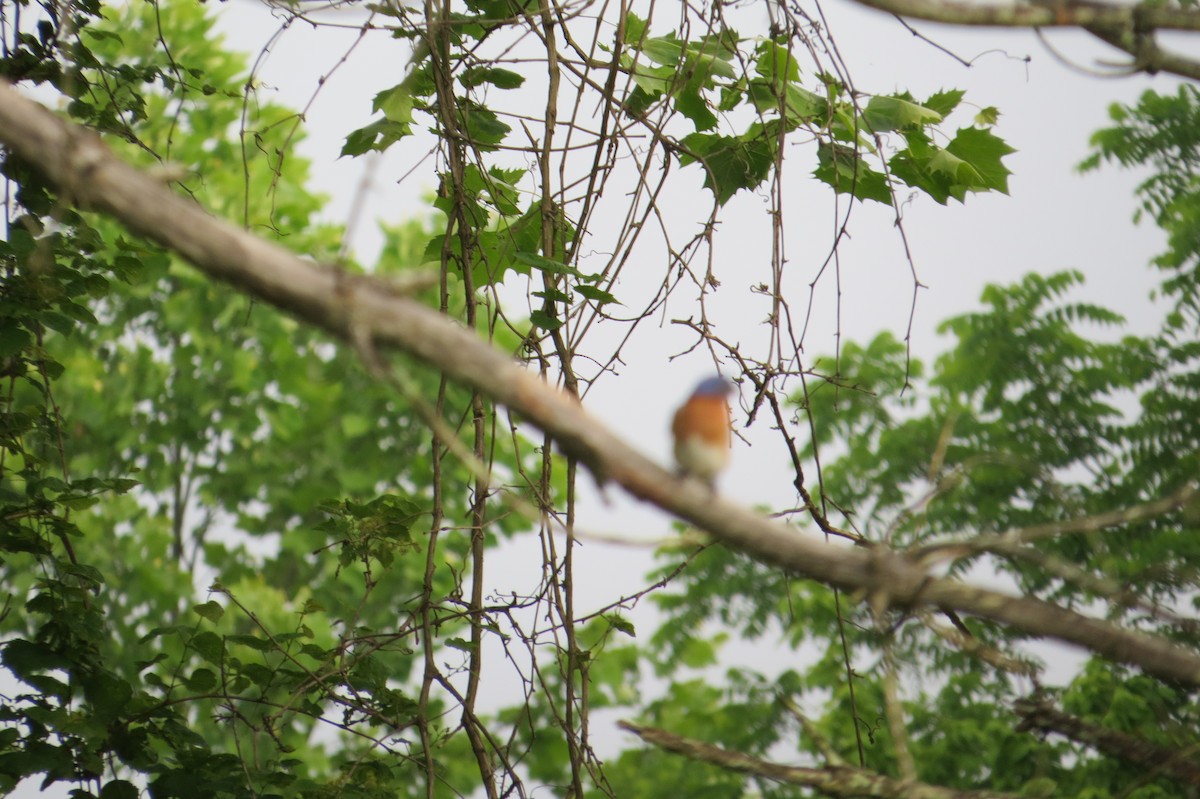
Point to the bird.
(702, 430)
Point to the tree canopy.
(254, 494)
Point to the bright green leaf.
(984, 151)
(895, 113)
(944, 102)
(396, 105)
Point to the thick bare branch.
(1061, 14)
(1147, 55)
(831, 780)
(368, 312)
(1129, 28)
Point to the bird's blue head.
(714, 387)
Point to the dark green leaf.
(500, 78)
(482, 125)
(202, 680)
(545, 321)
(844, 170)
(554, 295)
(379, 135)
(209, 646)
(209, 610)
(692, 104)
(119, 789)
(731, 163)
(547, 265)
(595, 294)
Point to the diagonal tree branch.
(1006, 541)
(1049, 14)
(1129, 28)
(1147, 55)
(832, 780)
(1181, 765)
(368, 312)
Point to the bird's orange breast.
(703, 418)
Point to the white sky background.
(1053, 219)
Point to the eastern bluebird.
(702, 430)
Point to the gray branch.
(1130, 28)
(832, 780)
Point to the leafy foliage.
(1035, 416)
(235, 424)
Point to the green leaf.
(379, 135)
(257, 673)
(482, 125)
(597, 295)
(209, 646)
(945, 101)
(799, 103)
(775, 64)
(711, 57)
(844, 169)
(732, 162)
(461, 644)
(958, 171)
(26, 659)
(691, 103)
(254, 642)
(14, 338)
(355, 425)
(987, 117)
(545, 321)
(212, 611)
(396, 104)
(108, 695)
(731, 97)
(202, 680)
(635, 29)
(652, 81)
(547, 265)
(119, 789)
(883, 114)
(500, 78)
(984, 151)
(665, 50)
(554, 295)
(699, 653)
(621, 624)
(638, 101)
